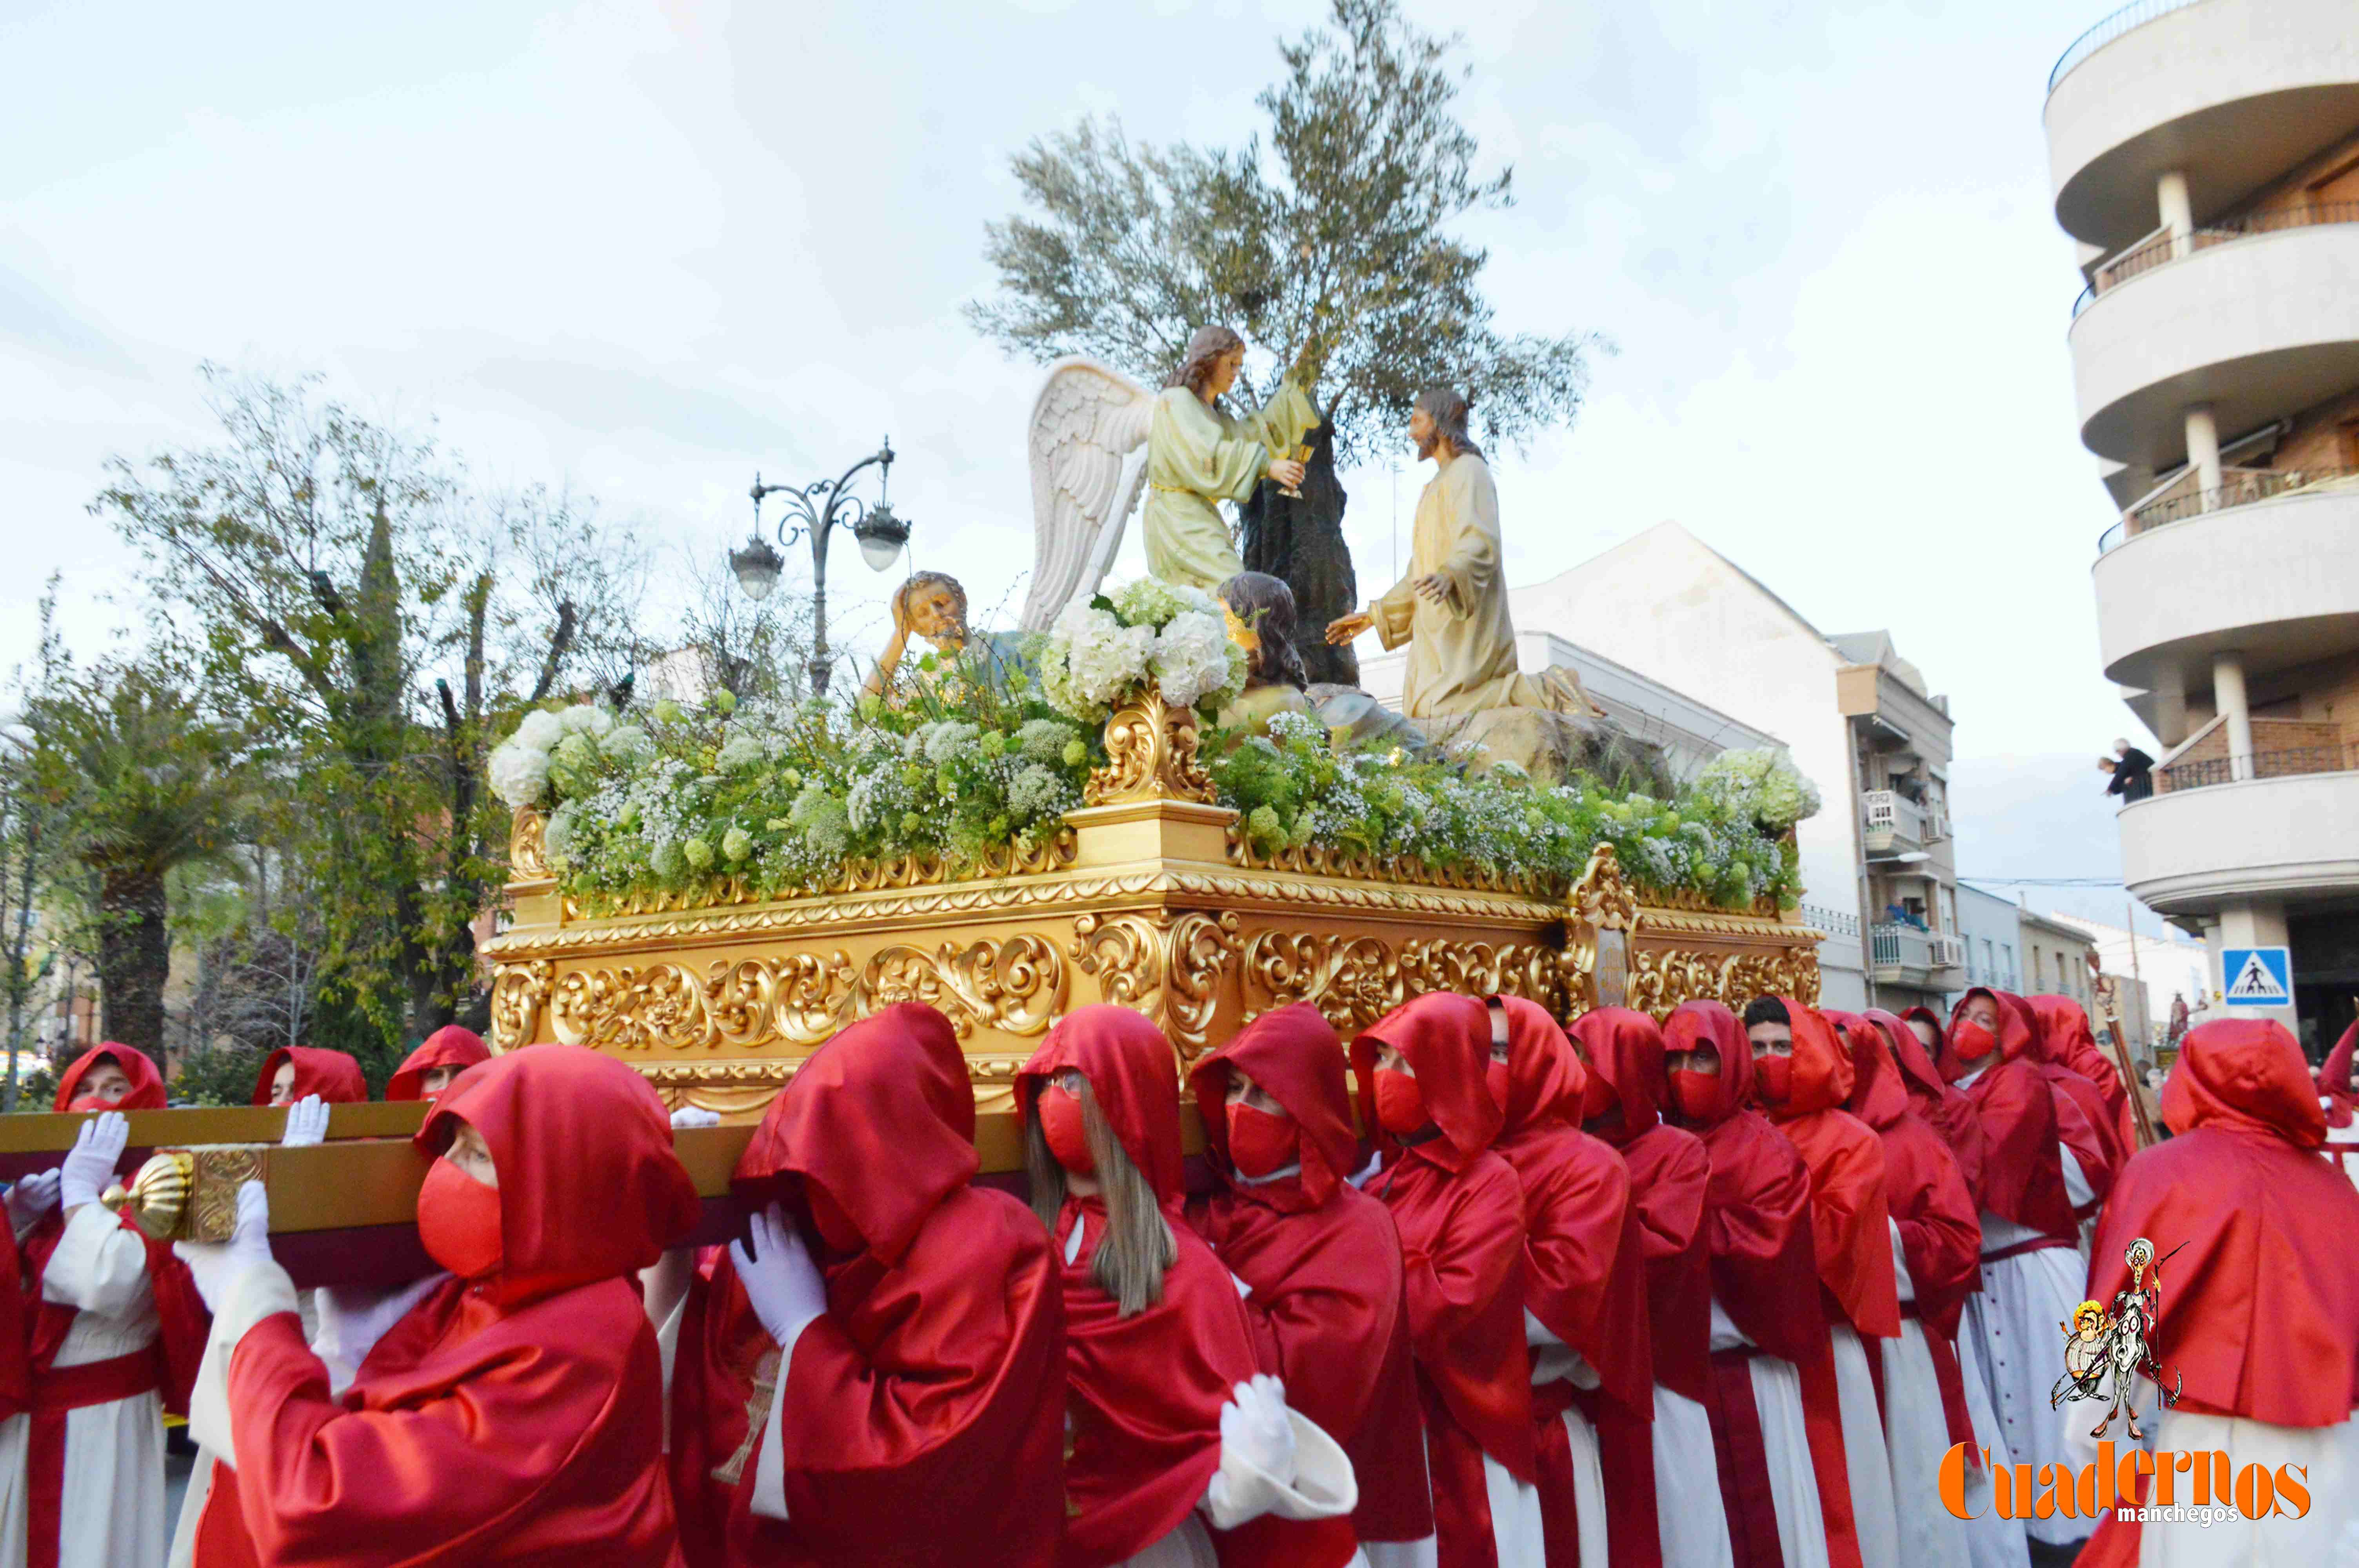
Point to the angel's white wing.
(1088, 426)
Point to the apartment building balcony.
(2229, 93)
(2256, 323)
(2280, 826)
(1892, 825)
(1902, 955)
(2263, 570)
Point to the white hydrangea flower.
(520, 771)
(1192, 659)
(539, 730)
(586, 718)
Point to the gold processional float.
(1150, 899)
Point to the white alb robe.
(2016, 1321)
(1555, 1362)
(2326, 1537)
(112, 1512)
(1874, 1516)
(1916, 1435)
(1786, 1443)
(1688, 1512)
(1993, 1542)
(2343, 1144)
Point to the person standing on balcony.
(2132, 771)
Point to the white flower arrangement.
(1760, 785)
(1102, 651)
(568, 741)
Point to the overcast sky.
(650, 247)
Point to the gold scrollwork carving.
(1351, 980)
(1526, 969)
(528, 847)
(1663, 978)
(1603, 897)
(518, 993)
(1150, 755)
(1168, 968)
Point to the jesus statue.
(1451, 610)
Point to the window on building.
(2006, 961)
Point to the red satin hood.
(1295, 1056)
(881, 1119)
(1695, 1023)
(589, 1185)
(1879, 1095)
(1822, 1070)
(1446, 1040)
(2016, 1038)
(334, 1077)
(2243, 1075)
(1626, 1049)
(449, 1046)
(2334, 1078)
(1135, 1074)
(1545, 1079)
(147, 1083)
(1914, 1062)
(2065, 1036)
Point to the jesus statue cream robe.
(1461, 655)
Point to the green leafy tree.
(143, 784)
(1331, 244)
(383, 621)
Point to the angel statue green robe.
(1462, 653)
(1198, 457)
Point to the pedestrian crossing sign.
(2258, 976)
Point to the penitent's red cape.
(1459, 1210)
(1670, 1176)
(449, 1046)
(1945, 1106)
(1941, 1232)
(1323, 1260)
(2334, 1082)
(2074, 1046)
(1765, 1272)
(335, 1076)
(2084, 1122)
(2023, 1179)
(926, 1407)
(517, 1418)
(2259, 1310)
(1849, 1214)
(1145, 1391)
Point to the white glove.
(215, 1264)
(306, 1123)
(30, 1200)
(89, 1164)
(689, 1115)
(1255, 1427)
(779, 1277)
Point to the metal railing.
(2164, 249)
(2287, 762)
(1891, 947)
(2239, 490)
(1889, 811)
(1833, 921)
(2122, 21)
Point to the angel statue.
(1089, 424)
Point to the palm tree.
(147, 783)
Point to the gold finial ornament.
(158, 1198)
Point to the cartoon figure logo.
(2101, 1345)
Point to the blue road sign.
(2257, 977)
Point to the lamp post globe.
(757, 567)
(811, 510)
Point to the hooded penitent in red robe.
(2084, 1121)
(1143, 1392)
(449, 1046)
(1848, 1209)
(923, 1413)
(1941, 1232)
(517, 1417)
(2073, 1044)
(334, 1076)
(2334, 1082)
(1323, 1260)
(1765, 1275)
(1460, 1209)
(2252, 1232)
(2022, 1180)
(1585, 1281)
(1945, 1106)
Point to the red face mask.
(1400, 1104)
(1971, 1041)
(1597, 1096)
(1060, 1125)
(459, 1221)
(91, 1102)
(1260, 1143)
(1774, 1076)
(834, 1226)
(1495, 1075)
(1694, 1095)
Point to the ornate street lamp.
(813, 511)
